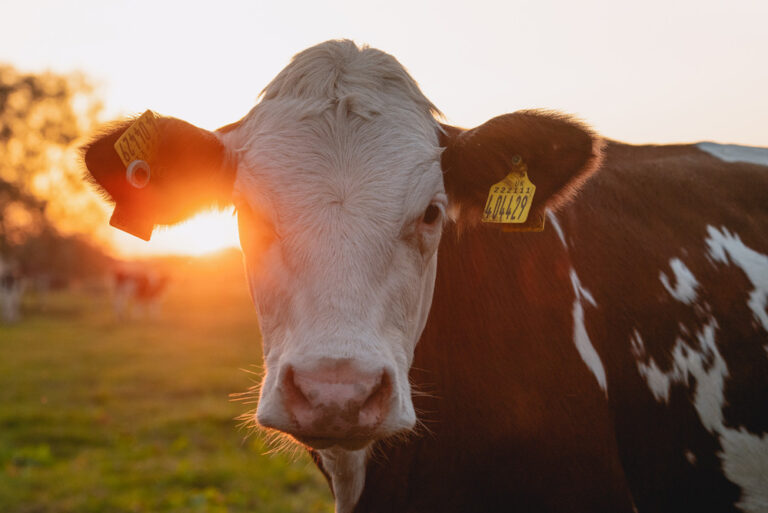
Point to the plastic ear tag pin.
(509, 201)
(139, 143)
(138, 174)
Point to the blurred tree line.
(45, 206)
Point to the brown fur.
(191, 171)
(517, 421)
(560, 154)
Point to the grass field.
(104, 416)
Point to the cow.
(615, 361)
(12, 287)
(137, 291)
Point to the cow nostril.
(292, 392)
(376, 406)
(335, 400)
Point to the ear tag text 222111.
(509, 201)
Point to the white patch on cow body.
(725, 247)
(684, 289)
(689, 363)
(658, 381)
(744, 455)
(581, 337)
(745, 462)
(736, 153)
(556, 225)
(347, 471)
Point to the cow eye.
(431, 214)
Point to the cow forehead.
(318, 161)
(345, 122)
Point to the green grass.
(105, 416)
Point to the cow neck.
(495, 358)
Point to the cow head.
(343, 181)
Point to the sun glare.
(204, 233)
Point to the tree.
(21, 217)
(44, 203)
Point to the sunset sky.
(650, 71)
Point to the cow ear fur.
(191, 170)
(560, 154)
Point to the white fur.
(347, 471)
(556, 225)
(736, 153)
(581, 338)
(688, 362)
(745, 461)
(727, 248)
(685, 286)
(658, 382)
(744, 455)
(341, 157)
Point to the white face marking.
(736, 153)
(581, 338)
(340, 174)
(685, 286)
(347, 471)
(690, 457)
(727, 248)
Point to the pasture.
(136, 416)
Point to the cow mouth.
(349, 444)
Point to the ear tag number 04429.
(509, 201)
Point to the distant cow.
(615, 362)
(11, 291)
(138, 292)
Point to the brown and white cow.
(137, 291)
(615, 362)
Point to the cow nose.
(336, 400)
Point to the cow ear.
(189, 170)
(560, 155)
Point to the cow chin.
(348, 444)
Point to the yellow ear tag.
(510, 200)
(139, 142)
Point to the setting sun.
(204, 233)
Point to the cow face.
(340, 206)
(342, 179)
